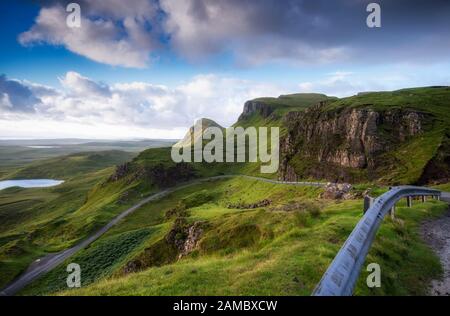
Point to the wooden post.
(409, 201)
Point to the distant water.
(37, 183)
(42, 147)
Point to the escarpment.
(349, 144)
(255, 107)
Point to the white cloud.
(343, 84)
(77, 84)
(118, 38)
(140, 106)
(128, 33)
(255, 33)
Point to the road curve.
(49, 262)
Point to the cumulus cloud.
(344, 83)
(138, 105)
(15, 96)
(319, 31)
(111, 32)
(83, 107)
(77, 84)
(127, 33)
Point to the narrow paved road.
(49, 262)
(436, 233)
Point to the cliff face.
(255, 107)
(346, 144)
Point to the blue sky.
(148, 68)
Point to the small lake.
(37, 183)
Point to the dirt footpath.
(436, 233)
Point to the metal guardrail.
(343, 272)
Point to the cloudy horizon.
(149, 68)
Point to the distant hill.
(71, 165)
(190, 138)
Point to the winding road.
(51, 261)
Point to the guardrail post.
(409, 201)
(392, 212)
(368, 201)
(424, 198)
(438, 197)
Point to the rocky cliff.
(255, 107)
(346, 144)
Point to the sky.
(149, 68)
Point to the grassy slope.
(70, 166)
(15, 153)
(260, 251)
(264, 251)
(405, 164)
(42, 220)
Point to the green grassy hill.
(70, 166)
(280, 248)
(397, 137)
(225, 237)
(42, 220)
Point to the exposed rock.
(259, 204)
(437, 170)
(132, 266)
(121, 171)
(181, 240)
(193, 236)
(330, 144)
(184, 237)
(337, 191)
(164, 176)
(255, 107)
(177, 211)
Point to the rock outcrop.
(120, 172)
(338, 144)
(255, 107)
(194, 233)
(181, 240)
(437, 170)
(258, 204)
(337, 191)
